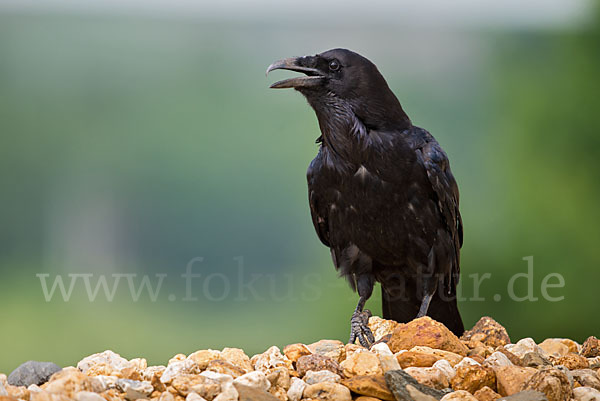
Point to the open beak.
(313, 76)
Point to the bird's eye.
(334, 65)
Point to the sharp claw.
(360, 329)
(363, 341)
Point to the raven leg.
(428, 289)
(424, 305)
(359, 324)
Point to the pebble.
(104, 363)
(511, 379)
(32, 372)
(173, 370)
(316, 363)
(388, 362)
(404, 387)
(190, 397)
(516, 360)
(199, 360)
(333, 349)
(586, 378)
(473, 377)
(451, 357)
(528, 395)
(237, 357)
(431, 377)
(552, 382)
(553, 347)
(381, 327)
(466, 362)
(166, 396)
(416, 359)
(360, 364)
(203, 386)
(256, 379)
(294, 351)
(353, 348)
(533, 360)
(425, 331)
(573, 361)
(488, 332)
(221, 378)
(279, 378)
(106, 382)
(459, 395)
(370, 386)
(224, 367)
(228, 393)
(296, 389)
(523, 346)
(271, 358)
(486, 394)
(70, 381)
(34, 388)
(246, 393)
(321, 376)
(586, 394)
(497, 359)
(381, 349)
(594, 362)
(444, 366)
(327, 391)
(88, 396)
(134, 389)
(590, 347)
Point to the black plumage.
(381, 193)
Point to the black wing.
(320, 220)
(435, 161)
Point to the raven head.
(348, 81)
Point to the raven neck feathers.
(345, 133)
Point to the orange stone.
(416, 359)
(425, 331)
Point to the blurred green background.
(133, 142)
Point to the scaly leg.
(424, 305)
(360, 325)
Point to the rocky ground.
(418, 361)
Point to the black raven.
(381, 193)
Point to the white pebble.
(445, 367)
(219, 377)
(296, 389)
(312, 377)
(88, 396)
(381, 349)
(586, 394)
(498, 359)
(194, 397)
(466, 361)
(256, 379)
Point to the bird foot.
(360, 328)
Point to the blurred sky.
(434, 13)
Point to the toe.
(363, 341)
